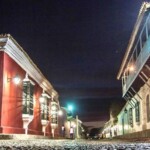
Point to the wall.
(143, 125)
(11, 120)
(35, 126)
(15, 61)
(1, 82)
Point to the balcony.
(138, 58)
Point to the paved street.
(71, 145)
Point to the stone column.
(143, 111)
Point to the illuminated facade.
(135, 75)
(26, 96)
(133, 121)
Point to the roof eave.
(10, 46)
(144, 7)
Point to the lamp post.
(77, 127)
(70, 113)
(72, 122)
(70, 117)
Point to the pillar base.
(26, 121)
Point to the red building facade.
(26, 106)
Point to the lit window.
(137, 112)
(44, 108)
(130, 117)
(28, 97)
(54, 110)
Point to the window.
(54, 110)
(137, 112)
(148, 108)
(130, 117)
(28, 97)
(44, 108)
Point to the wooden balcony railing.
(140, 54)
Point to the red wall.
(48, 130)
(11, 120)
(11, 101)
(1, 82)
(35, 126)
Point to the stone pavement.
(49, 144)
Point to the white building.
(134, 118)
(135, 74)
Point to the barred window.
(44, 108)
(137, 112)
(148, 108)
(54, 110)
(28, 89)
(131, 117)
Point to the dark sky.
(77, 44)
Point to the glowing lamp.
(42, 99)
(70, 108)
(54, 108)
(60, 113)
(131, 68)
(15, 79)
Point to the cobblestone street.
(71, 145)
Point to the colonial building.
(134, 119)
(28, 102)
(135, 75)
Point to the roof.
(10, 46)
(143, 9)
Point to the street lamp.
(70, 111)
(60, 112)
(70, 108)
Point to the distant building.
(30, 106)
(69, 121)
(134, 118)
(110, 127)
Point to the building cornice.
(143, 9)
(9, 45)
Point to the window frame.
(131, 117)
(148, 108)
(27, 97)
(137, 112)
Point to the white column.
(77, 127)
(53, 132)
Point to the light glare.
(70, 108)
(16, 80)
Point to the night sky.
(77, 44)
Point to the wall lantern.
(131, 68)
(54, 108)
(16, 79)
(60, 112)
(125, 110)
(42, 99)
